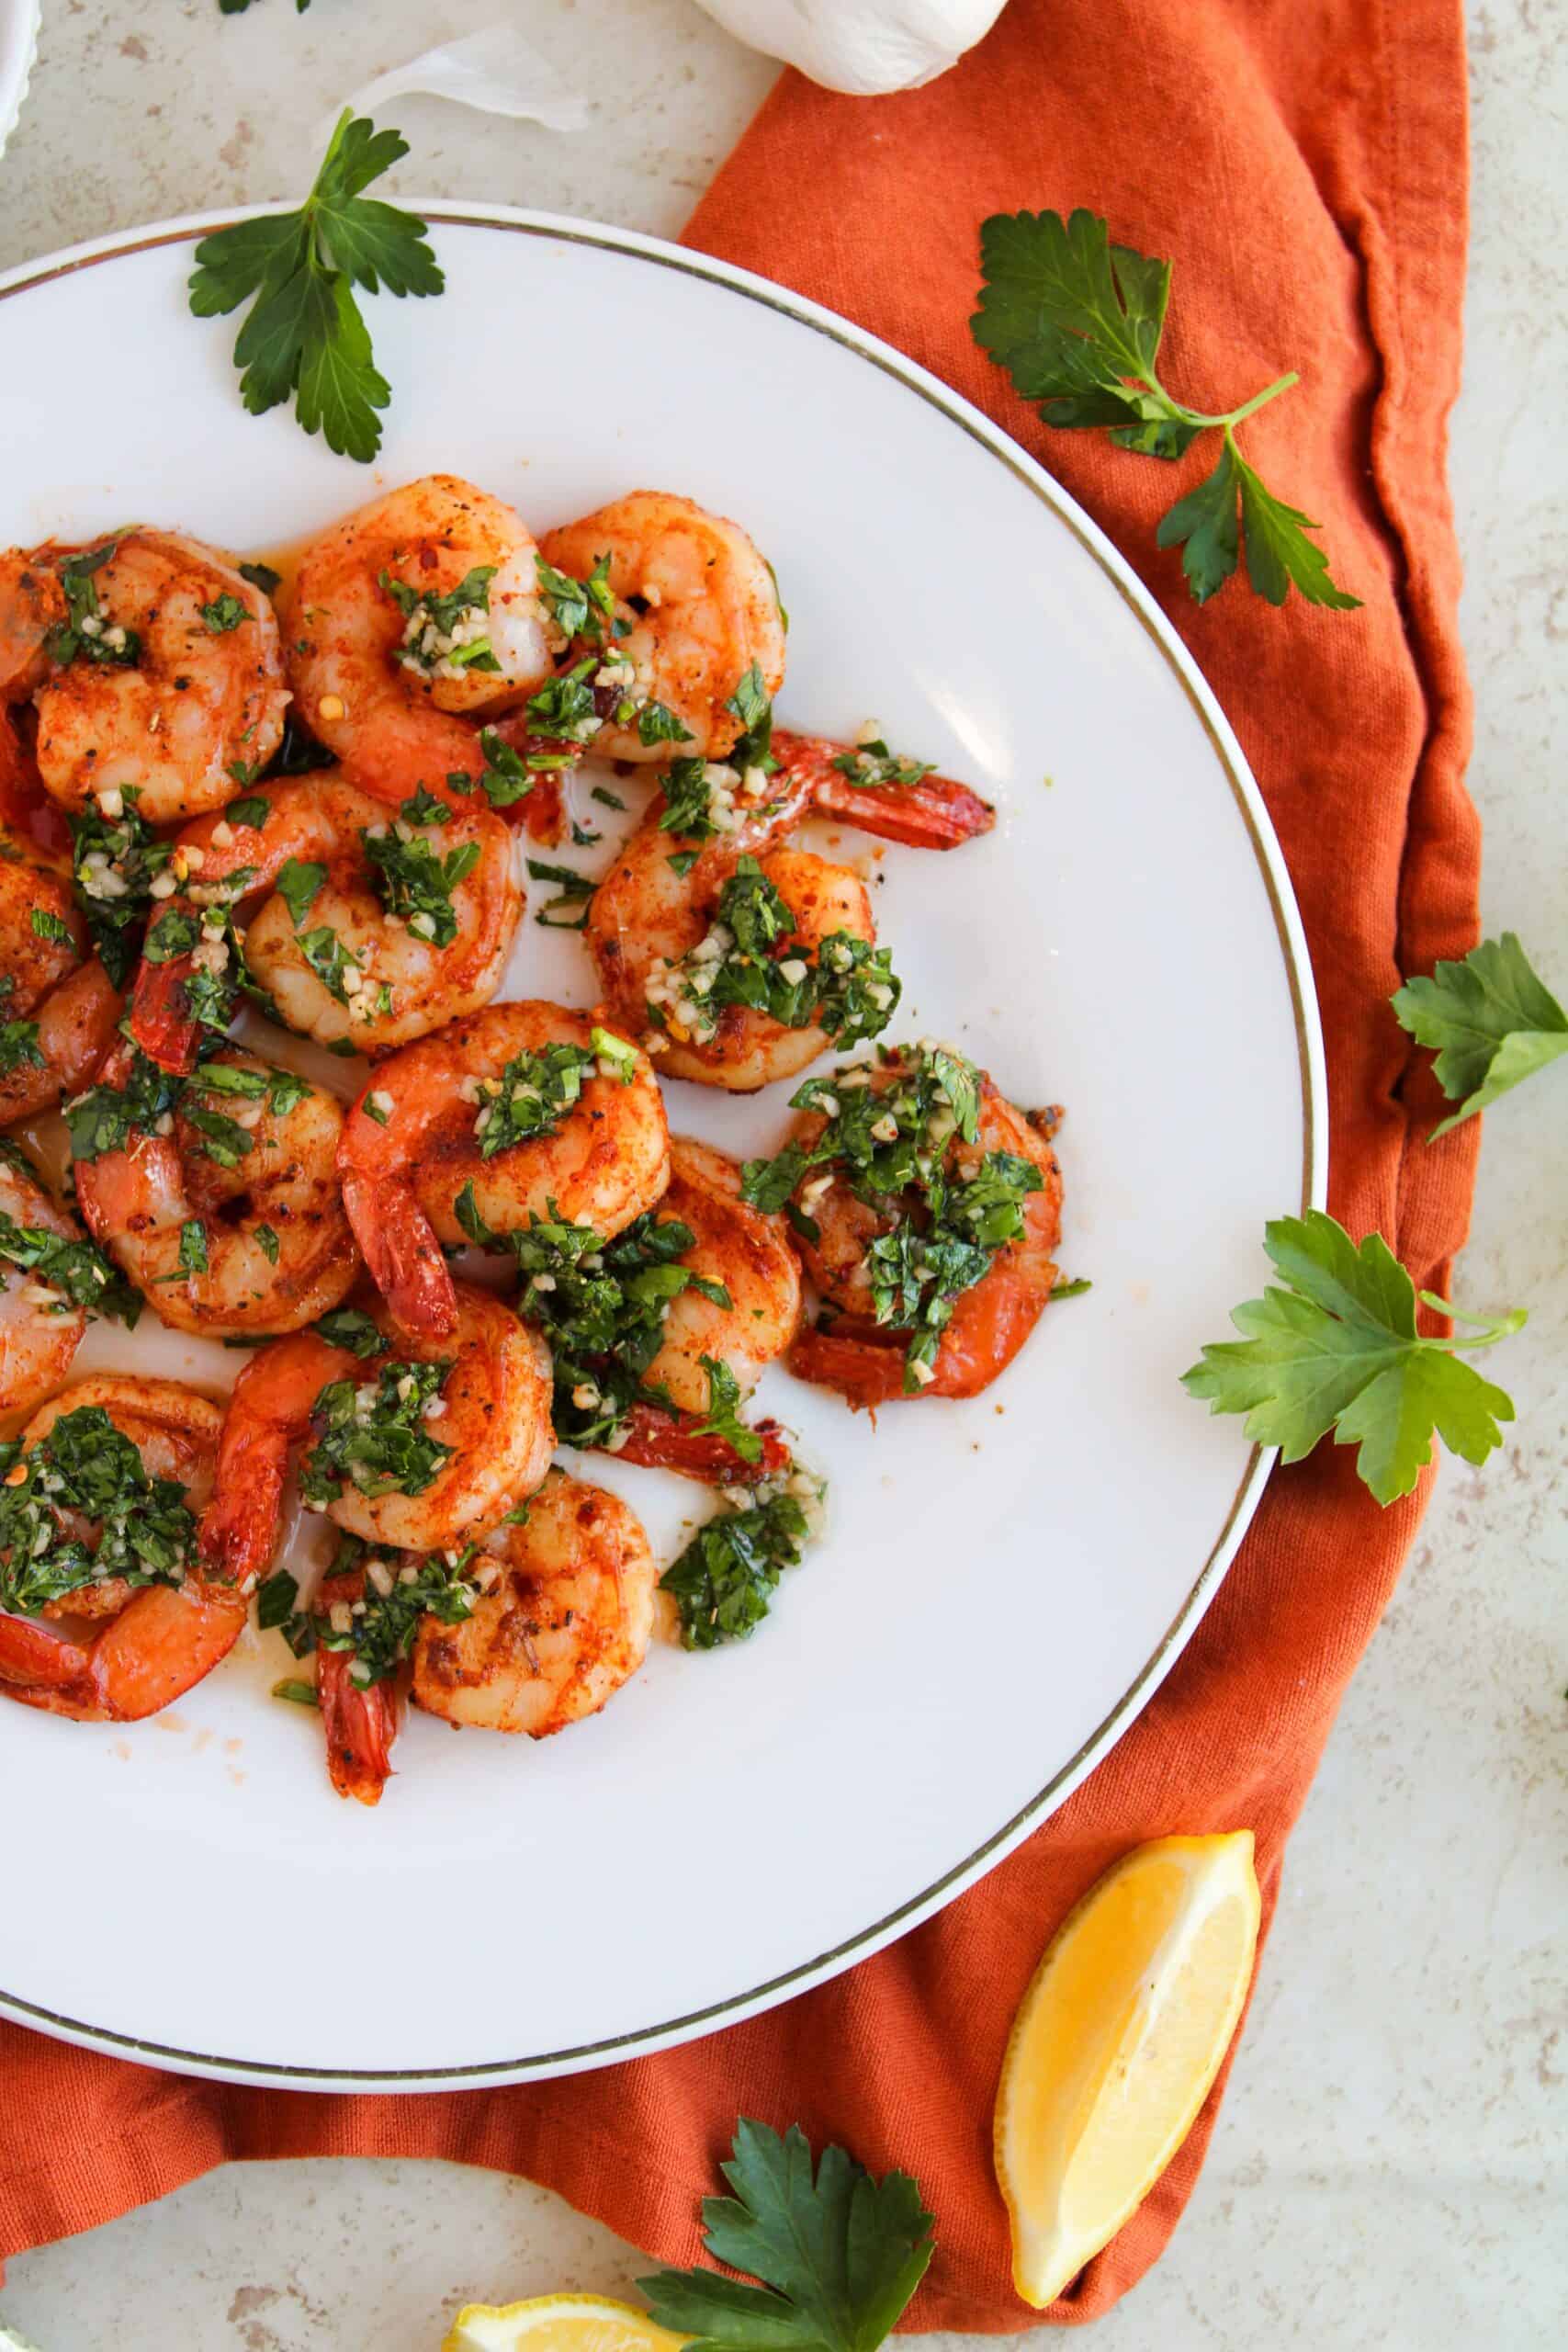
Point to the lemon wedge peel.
(1116, 2046)
(558, 2323)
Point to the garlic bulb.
(864, 47)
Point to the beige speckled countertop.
(1390, 2170)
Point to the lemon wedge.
(558, 2323)
(1115, 2045)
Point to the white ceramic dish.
(1005, 1582)
(19, 52)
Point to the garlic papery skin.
(865, 48)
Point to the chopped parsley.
(876, 769)
(298, 879)
(77, 1270)
(564, 708)
(350, 1328)
(688, 800)
(423, 807)
(84, 631)
(262, 576)
(105, 1117)
(581, 608)
(568, 910)
(382, 1632)
(86, 1469)
(329, 959)
(445, 634)
(193, 1247)
(415, 881)
(113, 864)
(752, 747)
(506, 779)
(891, 1147)
(47, 925)
(725, 1578)
(374, 1438)
(268, 1242)
(225, 611)
(252, 812)
(722, 1417)
(19, 1047)
(601, 1305)
(531, 1096)
(850, 991)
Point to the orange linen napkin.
(1305, 166)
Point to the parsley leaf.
(1492, 1021)
(723, 1419)
(1337, 1349)
(298, 879)
(304, 334)
(841, 2255)
(224, 612)
(1076, 323)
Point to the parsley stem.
(1490, 1328)
(1248, 408)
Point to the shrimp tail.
(165, 1641)
(160, 1022)
(35, 1661)
(866, 1371)
(657, 1440)
(269, 1409)
(401, 1251)
(240, 1525)
(936, 813)
(360, 1724)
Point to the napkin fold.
(1305, 170)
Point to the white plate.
(1005, 1582)
(18, 49)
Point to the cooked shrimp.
(692, 951)
(563, 1624)
(467, 1445)
(968, 1334)
(385, 623)
(120, 1466)
(745, 1258)
(58, 1007)
(384, 930)
(32, 605)
(699, 606)
(163, 673)
(226, 1216)
(528, 1111)
(41, 1326)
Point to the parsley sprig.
(1337, 1349)
(839, 2253)
(304, 336)
(1490, 1020)
(1076, 323)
